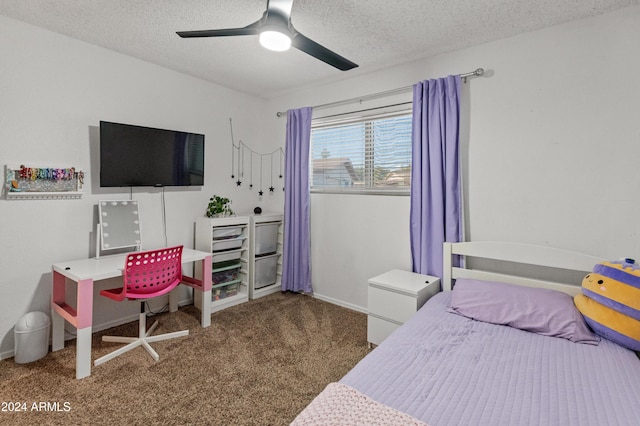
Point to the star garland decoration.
(239, 153)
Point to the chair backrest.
(152, 273)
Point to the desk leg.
(84, 327)
(206, 291)
(81, 318)
(173, 300)
(201, 285)
(206, 308)
(57, 321)
(57, 331)
(83, 353)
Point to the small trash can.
(31, 337)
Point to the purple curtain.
(436, 206)
(296, 260)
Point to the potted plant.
(219, 206)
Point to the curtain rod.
(477, 73)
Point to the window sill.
(406, 192)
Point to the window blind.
(366, 154)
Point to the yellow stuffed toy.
(610, 302)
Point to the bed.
(443, 368)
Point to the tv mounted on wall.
(143, 156)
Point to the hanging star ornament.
(260, 192)
(238, 182)
(271, 189)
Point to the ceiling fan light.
(275, 40)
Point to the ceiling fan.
(277, 33)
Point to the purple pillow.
(538, 310)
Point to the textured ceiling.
(374, 34)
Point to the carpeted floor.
(260, 363)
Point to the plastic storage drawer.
(227, 243)
(225, 274)
(220, 257)
(227, 232)
(224, 263)
(266, 270)
(266, 237)
(222, 291)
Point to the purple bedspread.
(445, 369)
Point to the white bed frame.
(515, 252)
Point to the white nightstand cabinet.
(394, 297)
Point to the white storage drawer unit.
(265, 255)
(227, 239)
(393, 298)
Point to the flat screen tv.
(142, 156)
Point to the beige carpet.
(260, 363)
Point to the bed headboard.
(527, 254)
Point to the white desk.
(84, 272)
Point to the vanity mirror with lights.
(118, 227)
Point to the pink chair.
(147, 274)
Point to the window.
(362, 155)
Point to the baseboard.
(341, 303)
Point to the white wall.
(550, 157)
(354, 238)
(55, 90)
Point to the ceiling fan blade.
(251, 29)
(305, 44)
